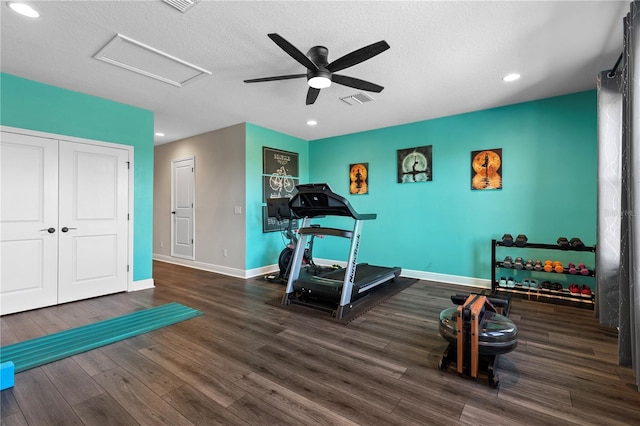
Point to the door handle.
(65, 229)
(173, 212)
(49, 230)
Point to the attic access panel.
(132, 55)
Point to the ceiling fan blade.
(278, 77)
(293, 51)
(312, 95)
(357, 56)
(356, 83)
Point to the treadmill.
(343, 286)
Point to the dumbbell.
(528, 265)
(507, 262)
(563, 243)
(576, 243)
(518, 263)
(583, 269)
(538, 265)
(557, 266)
(572, 268)
(548, 266)
(521, 240)
(507, 240)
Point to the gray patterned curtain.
(618, 256)
(609, 194)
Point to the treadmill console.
(317, 199)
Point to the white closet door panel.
(28, 211)
(182, 187)
(93, 212)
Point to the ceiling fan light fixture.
(511, 77)
(319, 82)
(23, 9)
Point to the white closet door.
(182, 196)
(28, 222)
(93, 209)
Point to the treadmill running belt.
(329, 285)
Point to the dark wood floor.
(245, 362)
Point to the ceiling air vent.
(357, 99)
(181, 5)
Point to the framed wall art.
(414, 164)
(358, 178)
(486, 169)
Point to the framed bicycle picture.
(279, 180)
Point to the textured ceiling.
(445, 58)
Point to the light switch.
(237, 209)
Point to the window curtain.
(618, 255)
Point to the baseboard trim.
(224, 270)
(142, 285)
(448, 279)
(271, 269)
(260, 272)
(427, 276)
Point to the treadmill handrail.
(317, 199)
(333, 232)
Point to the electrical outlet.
(225, 252)
(161, 243)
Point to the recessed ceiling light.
(311, 122)
(23, 9)
(159, 134)
(511, 77)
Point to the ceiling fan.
(320, 73)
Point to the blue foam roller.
(6, 375)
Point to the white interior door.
(93, 219)
(28, 222)
(182, 200)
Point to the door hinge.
(192, 241)
(192, 170)
(127, 268)
(128, 218)
(128, 164)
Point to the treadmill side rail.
(350, 273)
(296, 262)
(332, 232)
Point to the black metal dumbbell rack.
(539, 294)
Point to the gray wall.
(219, 188)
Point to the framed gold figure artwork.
(486, 169)
(358, 178)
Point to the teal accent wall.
(263, 248)
(35, 106)
(549, 152)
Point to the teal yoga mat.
(42, 350)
